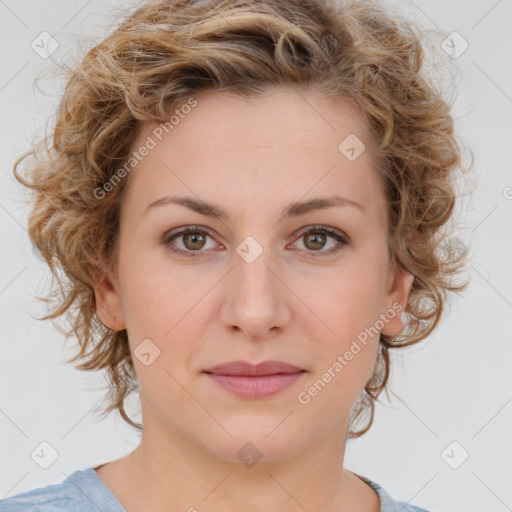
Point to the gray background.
(454, 387)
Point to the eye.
(314, 239)
(193, 239)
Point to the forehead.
(284, 142)
(304, 117)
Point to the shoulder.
(67, 495)
(49, 498)
(388, 504)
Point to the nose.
(257, 300)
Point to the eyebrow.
(294, 209)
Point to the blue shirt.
(85, 491)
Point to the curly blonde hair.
(164, 53)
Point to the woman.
(245, 198)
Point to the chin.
(251, 443)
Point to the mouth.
(263, 380)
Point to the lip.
(255, 381)
(244, 368)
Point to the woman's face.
(253, 285)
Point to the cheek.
(166, 305)
(155, 293)
(345, 307)
(345, 346)
(346, 301)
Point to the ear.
(108, 302)
(398, 288)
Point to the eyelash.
(342, 239)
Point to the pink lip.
(244, 368)
(255, 381)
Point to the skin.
(253, 157)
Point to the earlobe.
(396, 301)
(108, 304)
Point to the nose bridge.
(256, 302)
(255, 268)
